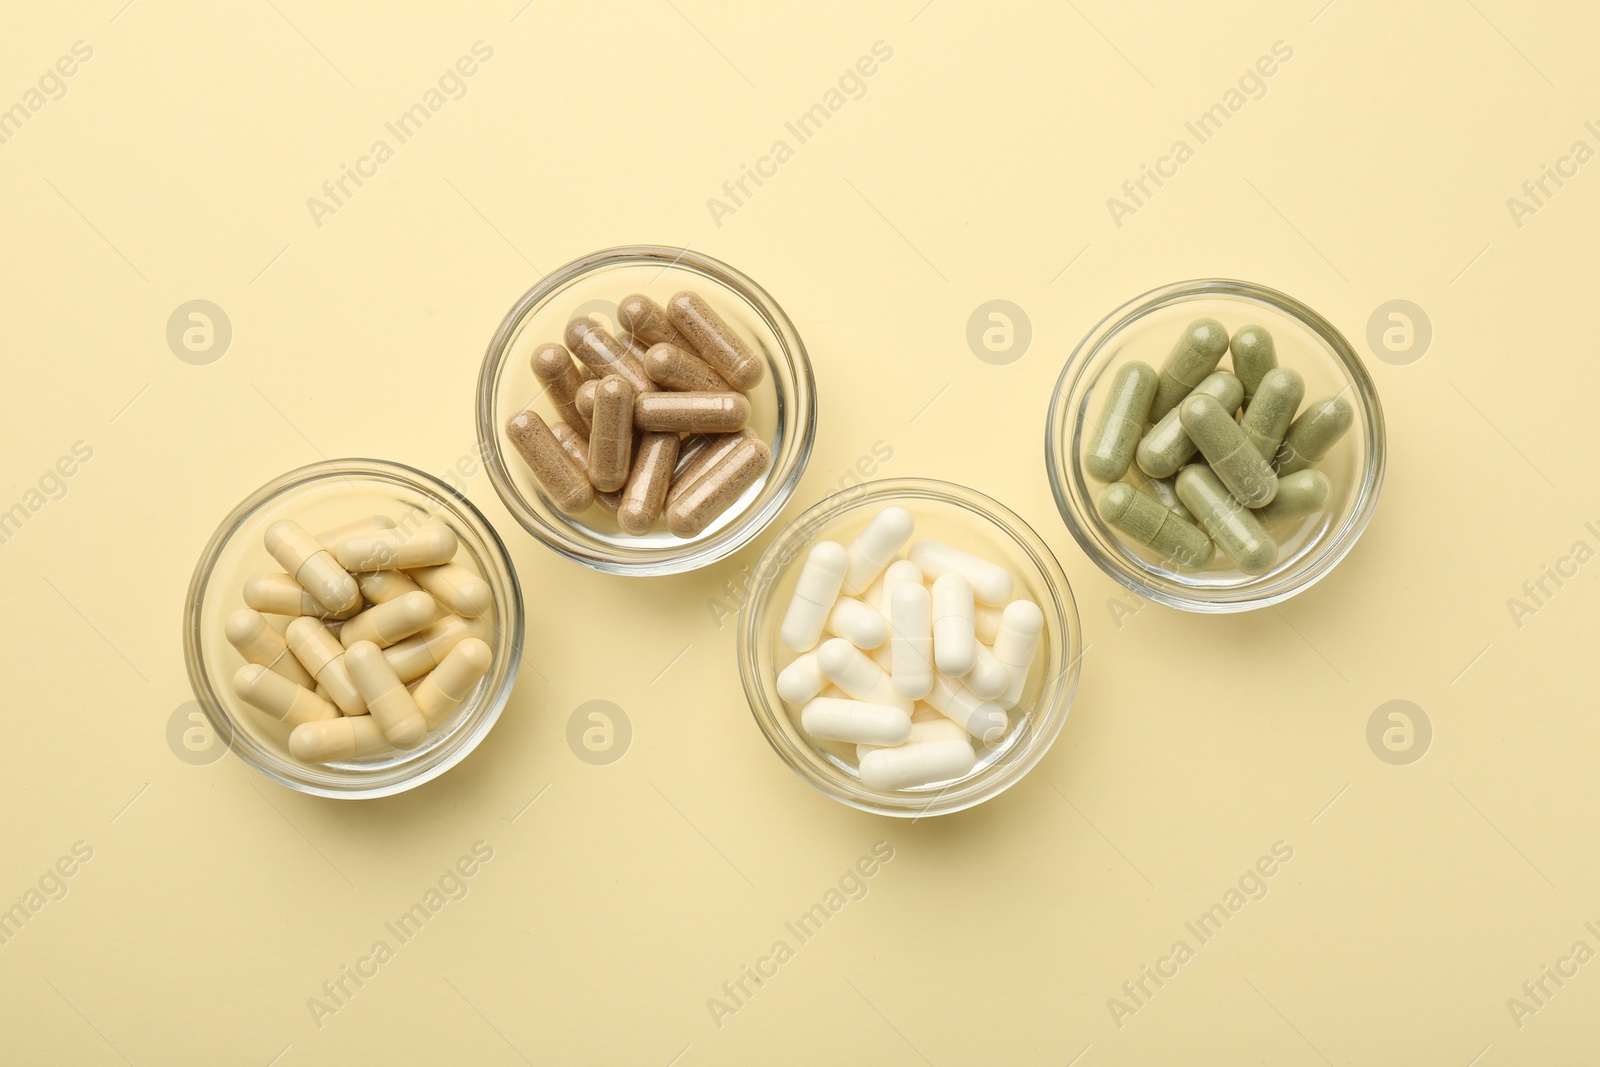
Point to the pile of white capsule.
(922, 654)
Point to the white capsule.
(249, 632)
(911, 641)
(280, 698)
(814, 594)
(857, 623)
(991, 583)
(986, 621)
(391, 621)
(1016, 643)
(431, 544)
(879, 543)
(989, 677)
(456, 587)
(827, 719)
(900, 572)
(848, 667)
(924, 731)
(983, 719)
(802, 679)
(955, 640)
(912, 765)
(442, 689)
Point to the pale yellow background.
(977, 167)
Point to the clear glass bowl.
(783, 404)
(319, 497)
(966, 520)
(1145, 329)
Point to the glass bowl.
(783, 404)
(966, 520)
(1145, 329)
(319, 497)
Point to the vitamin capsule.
(1269, 414)
(911, 640)
(323, 656)
(672, 367)
(1163, 490)
(1253, 355)
(955, 640)
(380, 587)
(443, 689)
(577, 448)
(695, 460)
(1017, 642)
(934, 727)
(566, 484)
(391, 705)
(275, 593)
(1314, 433)
(605, 355)
(988, 678)
(983, 719)
(858, 623)
(691, 412)
(310, 564)
(715, 491)
(390, 622)
(814, 594)
(646, 321)
(430, 544)
(1121, 422)
(847, 667)
(553, 366)
(274, 694)
(645, 494)
(986, 621)
(1148, 523)
(876, 546)
(714, 340)
(900, 572)
(1167, 447)
(1299, 494)
(909, 766)
(1230, 524)
(422, 652)
(1231, 455)
(248, 631)
(802, 679)
(585, 398)
(456, 587)
(855, 721)
(335, 740)
(1196, 355)
(991, 583)
(611, 434)
(331, 539)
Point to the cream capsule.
(932, 727)
(335, 740)
(249, 632)
(1233, 527)
(983, 719)
(714, 340)
(988, 678)
(1196, 355)
(380, 587)
(1166, 447)
(322, 654)
(855, 721)
(802, 679)
(691, 412)
(815, 591)
(876, 547)
(955, 635)
(553, 366)
(1232, 457)
(390, 622)
(391, 705)
(611, 434)
(646, 322)
(577, 448)
(567, 485)
(1299, 494)
(275, 593)
(847, 667)
(430, 544)
(330, 540)
(422, 652)
(280, 698)
(857, 623)
(672, 367)
(1267, 419)
(1021, 626)
(442, 689)
(991, 583)
(605, 355)
(1314, 433)
(909, 766)
(911, 640)
(645, 494)
(456, 587)
(715, 491)
(312, 566)
(1144, 519)
(1121, 422)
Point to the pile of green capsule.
(1226, 457)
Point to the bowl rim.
(1335, 543)
(788, 467)
(194, 601)
(1056, 696)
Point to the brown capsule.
(714, 340)
(611, 433)
(553, 366)
(584, 400)
(716, 490)
(672, 367)
(577, 446)
(647, 321)
(605, 355)
(691, 412)
(567, 485)
(646, 492)
(691, 467)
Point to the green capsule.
(1299, 494)
(1144, 519)
(1121, 422)
(1230, 453)
(1165, 447)
(1234, 528)
(1253, 355)
(1162, 490)
(1267, 417)
(1196, 355)
(1317, 430)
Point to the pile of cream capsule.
(652, 422)
(918, 656)
(1257, 472)
(384, 636)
